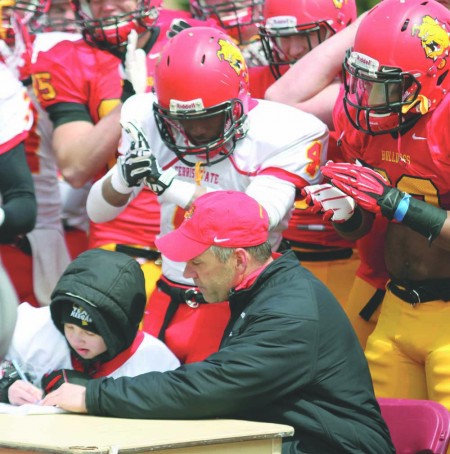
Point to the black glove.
(136, 164)
(53, 380)
(140, 165)
(8, 375)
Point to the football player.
(203, 132)
(390, 117)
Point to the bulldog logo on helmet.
(231, 53)
(435, 39)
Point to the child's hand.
(21, 392)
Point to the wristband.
(118, 184)
(2, 216)
(402, 208)
(425, 219)
(389, 202)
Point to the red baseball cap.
(219, 218)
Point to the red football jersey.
(417, 162)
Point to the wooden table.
(71, 433)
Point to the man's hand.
(331, 201)
(136, 164)
(367, 187)
(159, 180)
(68, 397)
(22, 392)
(139, 165)
(133, 69)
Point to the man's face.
(203, 130)
(108, 8)
(60, 11)
(294, 47)
(213, 278)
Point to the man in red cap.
(288, 355)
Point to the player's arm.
(315, 71)
(374, 194)
(83, 149)
(19, 209)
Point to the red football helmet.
(55, 15)
(201, 79)
(25, 11)
(111, 33)
(240, 18)
(285, 18)
(398, 67)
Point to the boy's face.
(86, 343)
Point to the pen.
(19, 371)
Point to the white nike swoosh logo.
(418, 138)
(220, 240)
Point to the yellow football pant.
(360, 294)
(337, 275)
(409, 350)
(150, 268)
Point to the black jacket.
(289, 355)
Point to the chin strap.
(422, 101)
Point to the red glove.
(368, 188)
(331, 201)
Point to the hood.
(110, 286)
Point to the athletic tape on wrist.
(118, 183)
(425, 219)
(402, 208)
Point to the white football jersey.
(282, 142)
(15, 112)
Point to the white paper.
(30, 409)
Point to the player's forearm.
(443, 239)
(104, 203)
(322, 104)
(313, 72)
(84, 149)
(357, 226)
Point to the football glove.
(133, 70)
(8, 375)
(335, 205)
(367, 187)
(135, 165)
(373, 193)
(139, 165)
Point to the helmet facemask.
(379, 100)
(111, 33)
(240, 18)
(54, 18)
(282, 27)
(172, 123)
